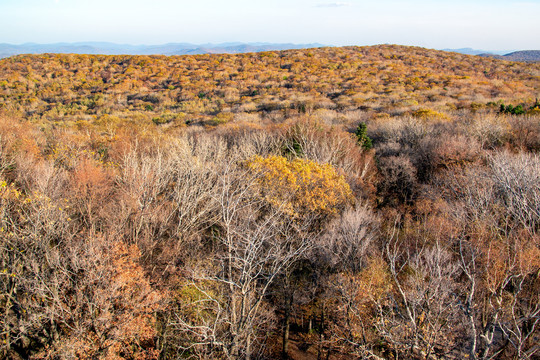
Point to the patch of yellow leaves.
(301, 186)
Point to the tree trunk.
(286, 329)
(321, 335)
(248, 348)
(287, 326)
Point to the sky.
(480, 24)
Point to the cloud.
(333, 5)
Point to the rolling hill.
(386, 79)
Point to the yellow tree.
(301, 187)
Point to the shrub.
(510, 109)
(398, 182)
(429, 114)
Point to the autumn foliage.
(228, 206)
(301, 187)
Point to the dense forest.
(374, 202)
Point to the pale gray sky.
(483, 24)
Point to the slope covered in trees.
(328, 203)
(389, 80)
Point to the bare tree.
(419, 318)
(517, 181)
(348, 239)
(255, 243)
(341, 260)
(497, 207)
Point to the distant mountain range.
(470, 51)
(524, 55)
(106, 48)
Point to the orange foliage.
(91, 185)
(125, 328)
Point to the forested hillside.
(387, 80)
(340, 203)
